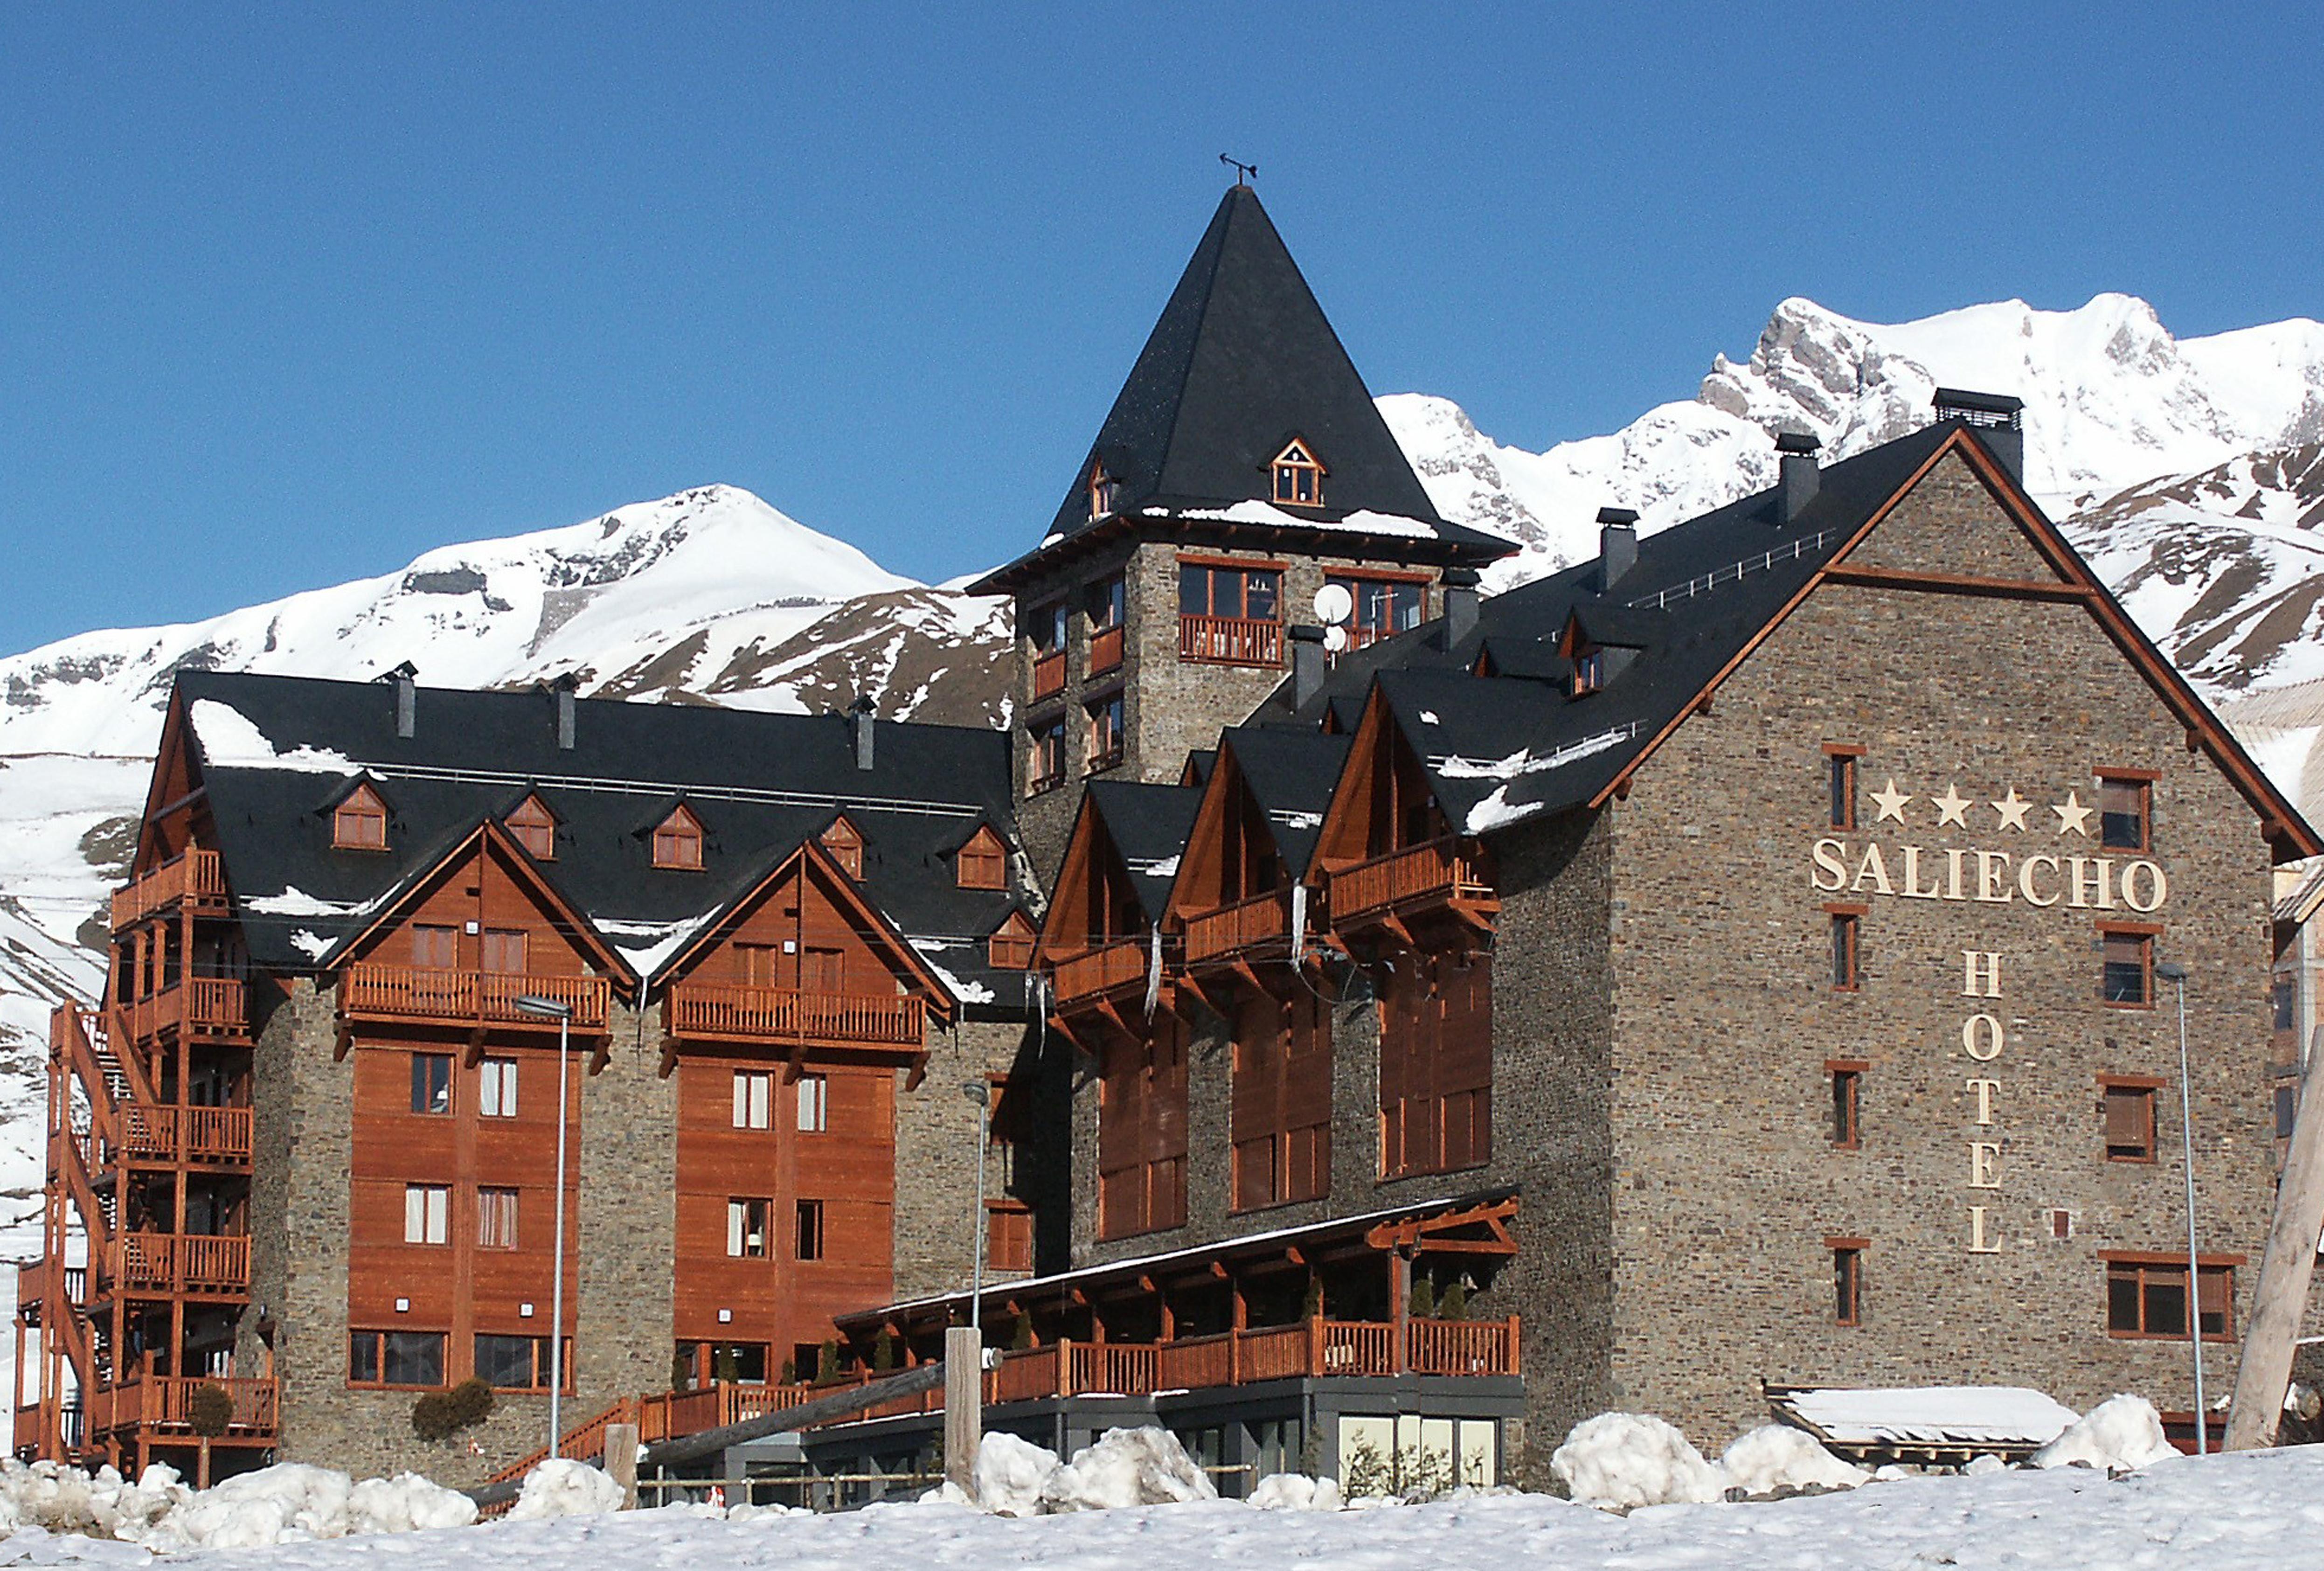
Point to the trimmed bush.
(441, 1414)
(209, 1412)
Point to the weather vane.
(1244, 172)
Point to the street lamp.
(2172, 971)
(980, 1093)
(562, 1013)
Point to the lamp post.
(562, 1013)
(2174, 973)
(980, 1093)
(964, 1344)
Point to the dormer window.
(533, 827)
(845, 845)
(677, 841)
(1298, 478)
(359, 823)
(1104, 491)
(983, 863)
(1588, 671)
(1010, 947)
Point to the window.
(1384, 607)
(1007, 1236)
(2286, 998)
(734, 1361)
(808, 1235)
(746, 1229)
(1298, 478)
(1105, 733)
(1845, 934)
(496, 1088)
(754, 1099)
(1046, 770)
(435, 948)
(517, 1363)
(1045, 625)
(495, 1219)
(1104, 603)
(1588, 671)
(1141, 1132)
(427, 1214)
(813, 1104)
(677, 843)
(395, 1358)
(2129, 1106)
(1436, 1064)
(431, 1082)
(2125, 802)
(1010, 947)
(1231, 614)
(2128, 978)
(983, 863)
(1847, 1280)
(1847, 1082)
(1841, 766)
(359, 823)
(822, 970)
(1104, 491)
(532, 828)
(504, 950)
(2287, 1112)
(2146, 1296)
(1279, 1101)
(845, 842)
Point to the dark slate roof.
(1290, 772)
(1148, 825)
(761, 785)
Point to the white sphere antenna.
(1334, 605)
(1335, 637)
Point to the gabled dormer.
(676, 840)
(532, 826)
(1296, 475)
(845, 842)
(359, 820)
(981, 862)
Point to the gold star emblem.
(1953, 807)
(1892, 801)
(2073, 815)
(2013, 810)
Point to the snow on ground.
(2255, 1512)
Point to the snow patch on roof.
(651, 943)
(1360, 522)
(965, 992)
(1497, 809)
(229, 740)
(313, 945)
(1932, 1415)
(1155, 867)
(295, 902)
(1291, 820)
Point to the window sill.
(2210, 1338)
(1042, 788)
(1100, 766)
(2146, 1161)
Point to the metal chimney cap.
(1797, 442)
(1617, 515)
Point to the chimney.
(1460, 604)
(1306, 665)
(860, 721)
(562, 689)
(404, 678)
(1617, 545)
(1796, 475)
(1999, 420)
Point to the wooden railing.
(210, 1004)
(1232, 640)
(1238, 927)
(181, 1262)
(783, 1013)
(1048, 675)
(208, 1134)
(1105, 650)
(166, 1402)
(1100, 971)
(424, 992)
(1437, 870)
(193, 874)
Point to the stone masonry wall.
(1726, 1185)
(935, 1156)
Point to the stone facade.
(935, 1154)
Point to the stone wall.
(936, 1153)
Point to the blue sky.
(292, 294)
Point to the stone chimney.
(860, 717)
(1306, 664)
(1617, 546)
(1997, 418)
(1460, 604)
(1797, 478)
(405, 679)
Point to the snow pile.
(251, 1511)
(1296, 1492)
(1776, 1456)
(1010, 1473)
(563, 1486)
(1624, 1460)
(2121, 1432)
(406, 1503)
(60, 1499)
(1127, 1467)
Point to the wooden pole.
(621, 1461)
(963, 1367)
(2281, 1297)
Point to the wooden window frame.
(1846, 937)
(845, 842)
(1845, 1080)
(2143, 1264)
(2142, 782)
(811, 1104)
(738, 1239)
(540, 1360)
(1284, 470)
(379, 1358)
(1047, 730)
(750, 1110)
(450, 1100)
(429, 1219)
(362, 806)
(1005, 1221)
(497, 939)
(2145, 932)
(1104, 491)
(1107, 638)
(672, 835)
(502, 1197)
(1011, 950)
(496, 1087)
(1847, 1279)
(530, 819)
(808, 1243)
(1588, 672)
(983, 848)
(1361, 636)
(1841, 783)
(1098, 762)
(2149, 1087)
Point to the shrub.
(441, 1414)
(826, 1362)
(1021, 1338)
(1423, 1298)
(1313, 1307)
(1453, 1305)
(883, 1351)
(209, 1412)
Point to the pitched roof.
(1289, 772)
(1148, 825)
(276, 752)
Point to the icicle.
(1154, 970)
(1298, 922)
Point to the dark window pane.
(2126, 982)
(2166, 1305)
(362, 1357)
(1843, 791)
(508, 1362)
(2122, 1300)
(1259, 596)
(431, 1082)
(415, 1358)
(2122, 814)
(2287, 1106)
(2286, 1000)
(1194, 591)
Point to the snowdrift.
(286, 1502)
(1126, 1467)
(2119, 1433)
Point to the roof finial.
(1244, 172)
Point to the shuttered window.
(1436, 1064)
(1280, 1113)
(1142, 1133)
(2129, 1107)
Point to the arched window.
(534, 828)
(1298, 478)
(677, 843)
(845, 845)
(360, 823)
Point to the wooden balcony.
(1230, 641)
(470, 999)
(1099, 971)
(203, 1006)
(1230, 929)
(204, 1136)
(1438, 874)
(201, 1264)
(193, 875)
(1048, 676)
(703, 1010)
(1104, 651)
(164, 1402)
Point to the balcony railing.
(1105, 650)
(1100, 971)
(1232, 640)
(1048, 675)
(200, 1134)
(1434, 873)
(165, 1401)
(217, 1005)
(467, 997)
(181, 1262)
(701, 1009)
(1238, 926)
(192, 875)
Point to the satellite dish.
(1333, 604)
(1335, 637)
